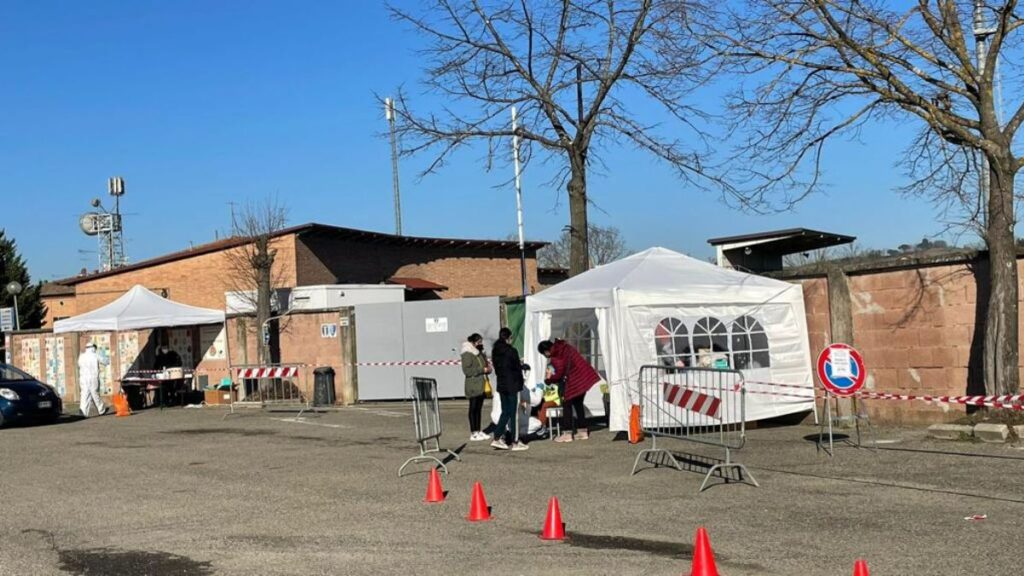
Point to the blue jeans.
(506, 421)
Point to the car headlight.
(9, 394)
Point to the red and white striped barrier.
(692, 400)
(409, 363)
(269, 372)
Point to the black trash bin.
(323, 386)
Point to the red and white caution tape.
(269, 372)
(410, 363)
(783, 394)
(692, 400)
(1012, 402)
(777, 385)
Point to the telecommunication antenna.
(389, 115)
(107, 227)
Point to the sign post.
(842, 373)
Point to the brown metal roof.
(416, 283)
(310, 229)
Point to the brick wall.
(301, 342)
(467, 272)
(916, 329)
(58, 307)
(200, 280)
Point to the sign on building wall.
(437, 324)
(55, 372)
(127, 351)
(211, 339)
(30, 361)
(180, 340)
(328, 330)
(102, 342)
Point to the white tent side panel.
(629, 298)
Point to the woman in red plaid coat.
(574, 376)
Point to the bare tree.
(252, 264)
(565, 65)
(606, 245)
(819, 69)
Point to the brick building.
(307, 255)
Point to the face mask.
(480, 347)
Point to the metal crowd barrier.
(272, 386)
(426, 415)
(702, 405)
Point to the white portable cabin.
(662, 307)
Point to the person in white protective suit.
(89, 381)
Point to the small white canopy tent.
(661, 307)
(139, 309)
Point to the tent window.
(749, 344)
(583, 338)
(710, 335)
(672, 343)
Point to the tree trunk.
(1001, 331)
(579, 240)
(263, 313)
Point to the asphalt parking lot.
(186, 492)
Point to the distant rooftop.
(803, 238)
(763, 251)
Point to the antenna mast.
(389, 114)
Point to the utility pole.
(389, 114)
(982, 32)
(519, 203)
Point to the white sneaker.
(519, 447)
(478, 436)
(102, 412)
(499, 444)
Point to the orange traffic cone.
(860, 568)
(478, 509)
(435, 493)
(703, 557)
(553, 527)
(121, 405)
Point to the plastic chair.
(554, 415)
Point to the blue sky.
(198, 104)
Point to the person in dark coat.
(508, 371)
(575, 376)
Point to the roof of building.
(55, 289)
(311, 229)
(790, 240)
(416, 283)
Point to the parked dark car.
(25, 399)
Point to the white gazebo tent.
(139, 309)
(661, 307)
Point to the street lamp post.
(14, 288)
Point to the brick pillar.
(348, 377)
